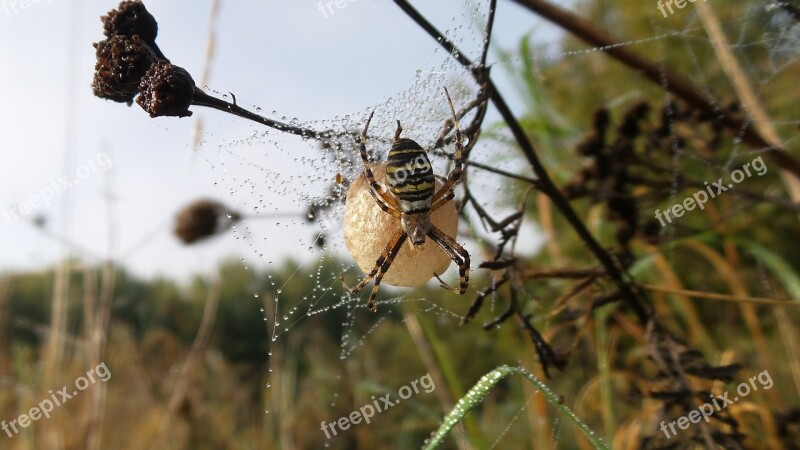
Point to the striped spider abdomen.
(410, 177)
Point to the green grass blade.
(482, 388)
(775, 263)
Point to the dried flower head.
(202, 219)
(121, 63)
(166, 90)
(130, 19)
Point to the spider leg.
(386, 207)
(382, 264)
(458, 158)
(385, 201)
(457, 253)
(439, 203)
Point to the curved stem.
(202, 99)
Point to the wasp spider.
(411, 197)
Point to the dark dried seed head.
(121, 63)
(166, 90)
(202, 219)
(591, 144)
(630, 122)
(574, 189)
(600, 120)
(651, 232)
(131, 18)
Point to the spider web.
(274, 178)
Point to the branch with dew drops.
(129, 64)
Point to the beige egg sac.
(367, 230)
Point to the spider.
(411, 197)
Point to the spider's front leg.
(382, 264)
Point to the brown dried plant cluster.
(129, 63)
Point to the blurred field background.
(192, 360)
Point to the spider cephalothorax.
(412, 197)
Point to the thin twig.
(489, 28)
(476, 304)
(448, 45)
(502, 172)
(200, 98)
(567, 273)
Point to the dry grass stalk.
(195, 354)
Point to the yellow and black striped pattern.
(410, 177)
